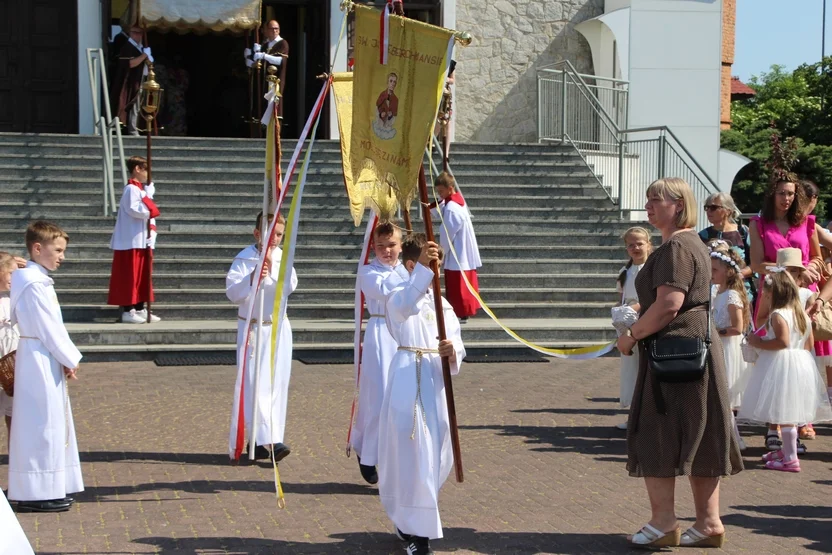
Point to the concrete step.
(311, 295)
(67, 280)
(180, 334)
(339, 253)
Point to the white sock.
(789, 443)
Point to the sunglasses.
(712, 207)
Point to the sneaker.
(418, 546)
(773, 442)
(622, 426)
(463, 320)
(801, 448)
(402, 536)
(132, 317)
(153, 317)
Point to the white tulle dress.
(629, 364)
(737, 371)
(785, 386)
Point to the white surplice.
(12, 538)
(458, 230)
(411, 471)
(43, 455)
(130, 231)
(376, 280)
(271, 399)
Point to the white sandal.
(650, 537)
(694, 538)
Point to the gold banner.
(394, 105)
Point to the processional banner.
(393, 108)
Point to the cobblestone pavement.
(544, 471)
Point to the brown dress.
(694, 437)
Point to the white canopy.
(196, 15)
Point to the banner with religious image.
(394, 104)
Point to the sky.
(783, 32)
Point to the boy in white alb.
(415, 455)
(376, 280)
(8, 331)
(272, 396)
(43, 456)
(459, 232)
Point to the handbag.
(7, 373)
(680, 359)
(822, 323)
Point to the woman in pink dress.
(783, 223)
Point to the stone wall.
(496, 79)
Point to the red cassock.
(459, 232)
(464, 303)
(130, 280)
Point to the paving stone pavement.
(544, 471)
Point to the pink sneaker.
(790, 466)
(774, 456)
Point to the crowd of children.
(772, 374)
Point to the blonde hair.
(637, 231)
(676, 188)
(784, 294)
(43, 232)
(7, 263)
(734, 279)
(727, 202)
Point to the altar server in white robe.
(457, 230)
(43, 456)
(12, 539)
(271, 398)
(376, 280)
(415, 455)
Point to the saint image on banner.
(388, 109)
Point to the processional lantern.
(151, 96)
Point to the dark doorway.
(39, 66)
(207, 84)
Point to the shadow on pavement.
(589, 440)
(95, 493)
(600, 412)
(188, 458)
(456, 539)
(792, 521)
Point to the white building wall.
(675, 57)
(89, 36)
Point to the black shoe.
(369, 473)
(402, 536)
(260, 452)
(463, 320)
(801, 448)
(281, 451)
(418, 546)
(51, 506)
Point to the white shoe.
(622, 426)
(132, 317)
(153, 317)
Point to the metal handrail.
(678, 142)
(105, 125)
(596, 77)
(574, 73)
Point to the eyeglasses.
(712, 207)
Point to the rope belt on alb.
(420, 353)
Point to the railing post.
(620, 175)
(662, 140)
(563, 107)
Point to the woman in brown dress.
(692, 436)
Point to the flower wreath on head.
(727, 259)
(773, 270)
(716, 243)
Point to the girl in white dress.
(732, 315)
(8, 331)
(785, 387)
(639, 247)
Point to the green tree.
(799, 104)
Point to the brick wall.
(729, 24)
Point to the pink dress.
(796, 237)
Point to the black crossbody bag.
(678, 359)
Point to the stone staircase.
(548, 235)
